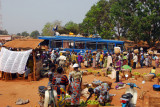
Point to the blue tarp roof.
(79, 39)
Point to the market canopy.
(24, 43)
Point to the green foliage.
(136, 73)
(137, 19)
(72, 27)
(48, 27)
(47, 30)
(68, 96)
(82, 103)
(68, 103)
(19, 34)
(92, 102)
(34, 34)
(144, 74)
(158, 75)
(25, 33)
(97, 20)
(109, 72)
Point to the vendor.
(102, 93)
(153, 71)
(118, 68)
(75, 78)
(86, 58)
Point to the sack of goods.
(117, 50)
(150, 52)
(136, 51)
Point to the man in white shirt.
(135, 59)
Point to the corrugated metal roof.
(78, 39)
(23, 43)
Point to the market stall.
(27, 44)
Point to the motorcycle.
(129, 99)
(47, 96)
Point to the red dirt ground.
(11, 90)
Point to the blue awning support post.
(62, 43)
(96, 45)
(74, 45)
(50, 44)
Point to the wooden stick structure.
(34, 66)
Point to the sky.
(30, 15)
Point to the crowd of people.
(100, 59)
(96, 59)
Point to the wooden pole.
(34, 66)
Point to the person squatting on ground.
(153, 71)
(102, 93)
(75, 78)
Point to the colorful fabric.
(119, 65)
(101, 57)
(60, 83)
(105, 62)
(75, 75)
(97, 56)
(63, 81)
(150, 61)
(87, 58)
(94, 63)
(74, 57)
(80, 58)
(153, 71)
(76, 92)
(124, 57)
(102, 90)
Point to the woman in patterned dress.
(75, 78)
(94, 59)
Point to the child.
(153, 71)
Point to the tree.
(19, 34)
(48, 28)
(98, 20)
(72, 27)
(3, 32)
(137, 19)
(34, 34)
(25, 33)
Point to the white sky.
(30, 15)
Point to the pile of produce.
(158, 75)
(136, 73)
(92, 102)
(68, 96)
(82, 103)
(119, 85)
(144, 74)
